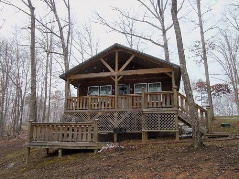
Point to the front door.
(123, 99)
(123, 89)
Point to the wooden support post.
(209, 119)
(96, 137)
(66, 92)
(144, 136)
(115, 137)
(59, 153)
(116, 78)
(78, 91)
(143, 98)
(28, 154)
(30, 131)
(89, 104)
(116, 92)
(177, 128)
(175, 97)
(47, 151)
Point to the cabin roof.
(153, 60)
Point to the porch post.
(116, 92)
(66, 92)
(143, 98)
(116, 78)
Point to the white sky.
(84, 10)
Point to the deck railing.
(63, 132)
(163, 99)
(184, 108)
(130, 101)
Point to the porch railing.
(162, 99)
(184, 108)
(63, 132)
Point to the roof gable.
(140, 60)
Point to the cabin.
(118, 90)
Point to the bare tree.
(64, 37)
(33, 103)
(204, 56)
(85, 42)
(154, 18)
(226, 53)
(197, 140)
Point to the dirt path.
(156, 159)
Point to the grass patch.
(18, 153)
(233, 129)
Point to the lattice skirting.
(108, 120)
(132, 121)
(159, 121)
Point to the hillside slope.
(161, 158)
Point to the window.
(100, 90)
(138, 87)
(93, 90)
(105, 90)
(154, 87)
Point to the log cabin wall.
(166, 82)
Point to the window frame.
(140, 90)
(155, 83)
(95, 87)
(104, 86)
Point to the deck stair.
(183, 113)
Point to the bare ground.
(161, 158)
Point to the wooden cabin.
(119, 88)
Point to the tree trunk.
(197, 140)
(33, 102)
(204, 52)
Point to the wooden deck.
(71, 135)
(86, 117)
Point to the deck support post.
(115, 137)
(29, 138)
(59, 153)
(47, 151)
(209, 119)
(96, 130)
(175, 99)
(28, 154)
(144, 136)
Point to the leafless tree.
(85, 42)
(64, 36)
(153, 17)
(197, 140)
(226, 53)
(204, 55)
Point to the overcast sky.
(82, 11)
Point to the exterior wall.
(166, 83)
